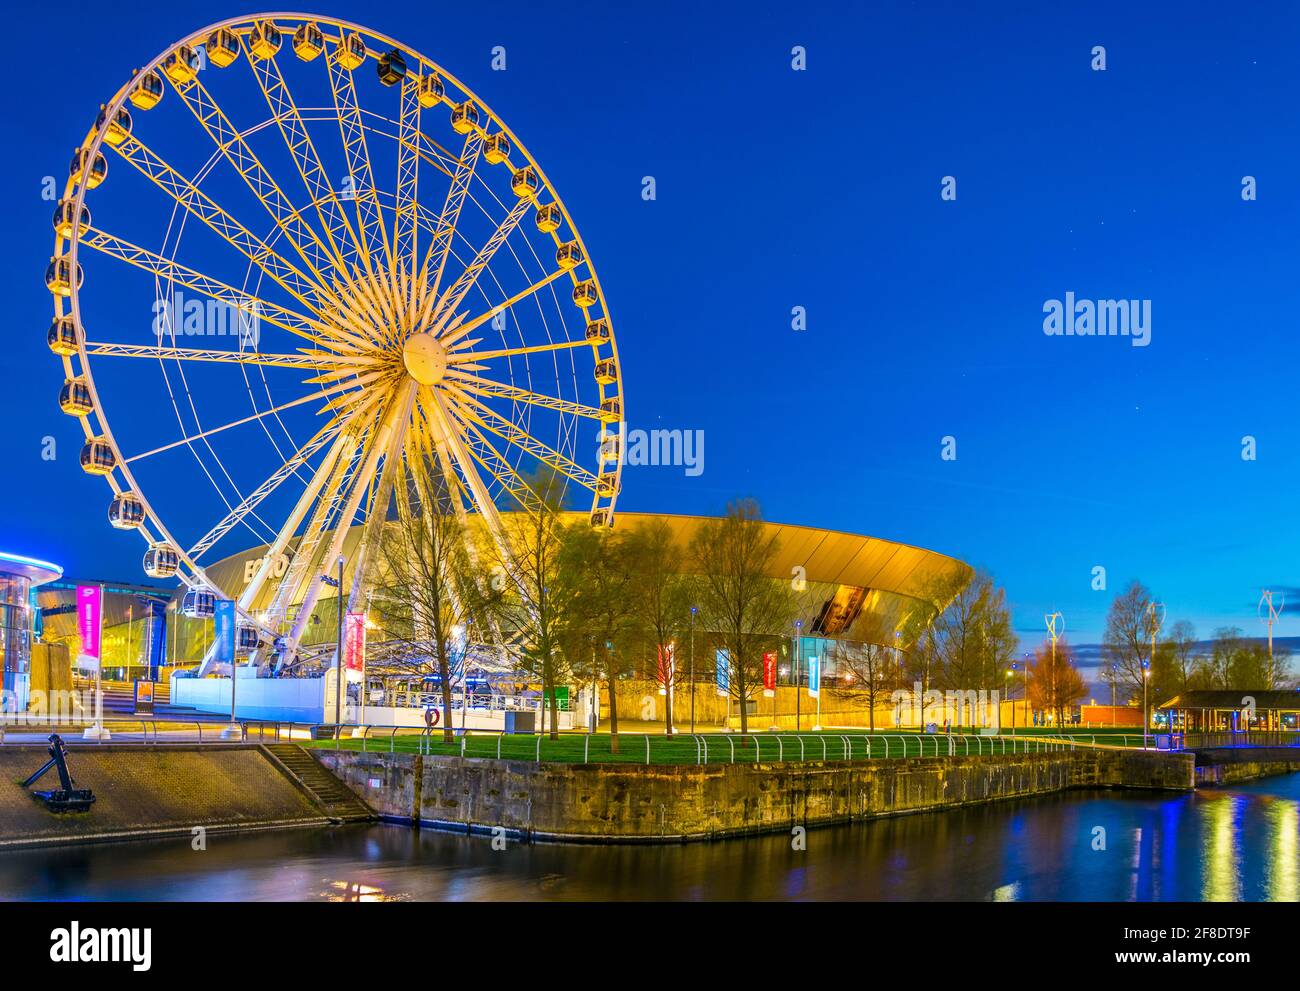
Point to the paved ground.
(141, 791)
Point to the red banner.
(769, 675)
(354, 640)
(666, 665)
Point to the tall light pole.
(1027, 715)
(1146, 719)
(365, 685)
(1055, 627)
(694, 610)
(1274, 613)
(1112, 694)
(338, 659)
(1156, 619)
(798, 647)
(1011, 671)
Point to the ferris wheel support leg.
(401, 407)
(377, 512)
(291, 525)
(209, 660)
(478, 491)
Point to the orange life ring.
(431, 717)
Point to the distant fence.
(1241, 738)
(686, 748)
(644, 748)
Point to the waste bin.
(518, 721)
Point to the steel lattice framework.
(416, 337)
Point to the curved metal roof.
(835, 557)
(899, 580)
(39, 572)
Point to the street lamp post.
(338, 659)
(1112, 694)
(98, 732)
(1274, 613)
(1053, 621)
(798, 650)
(365, 685)
(694, 610)
(1146, 717)
(1156, 614)
(1011, 671)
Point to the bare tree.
(660, 602)
(975, 640)
(1126, 644)
(1055, 683)
(430, 600)
(921, 643)
(528, 553)
(746, 610)
(868, 672)
(1175, 664)
(596, 575)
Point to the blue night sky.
(821, 189)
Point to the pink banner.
(354, 640)
(90, 605)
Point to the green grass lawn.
(709, 748)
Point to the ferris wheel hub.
(425, 358)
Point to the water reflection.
(1237, 844)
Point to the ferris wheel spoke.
(458, 492)
(300, 457)
(394, 419)
(472, 324)
(440, 246)
(174, 272)
(470, 409)
(238, 153)
(343, 241)
(454, 437)
(308, 360)
(408, 175)
(319, 498)
(490, 459)
(370, 215)
(484, 257)
(478, 386)
(194, 201)
(435, 453)
(381, 495)
(302, 400)
(457, 357)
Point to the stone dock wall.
(638, 803)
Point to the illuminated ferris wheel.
(318, 269)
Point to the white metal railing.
(680, 748)
(489, 702)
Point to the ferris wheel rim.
(75, 190)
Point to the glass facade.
(15, 636)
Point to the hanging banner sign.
(769, 675)
(90, 615)
(723, 663)
(814, 676)
(354, 640)
(667, 670)
(223, 630)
